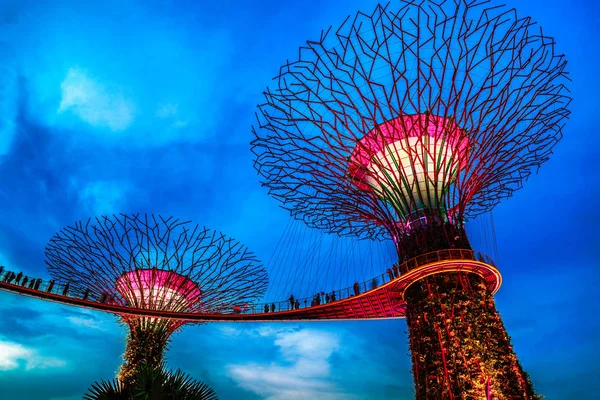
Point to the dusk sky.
(147, 106)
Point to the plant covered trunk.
(146, 346)
(460, 348)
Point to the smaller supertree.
(154, 263)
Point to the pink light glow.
(158, 289)
(406, 126)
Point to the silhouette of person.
(291, 302)
(356, 288)
(18, 278)
(24, 281)
(327, 298)
(66, 289)
(297, 304)
(266, 308)
(332, 296)
(273, 307)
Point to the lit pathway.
(383, 301)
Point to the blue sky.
(147, 106)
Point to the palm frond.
(106, 390)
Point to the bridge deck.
(381, 302)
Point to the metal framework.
(472, 94)
(403, 124)
(141, 260)
(157, 264)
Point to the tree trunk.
(145, 346)
(460, 348)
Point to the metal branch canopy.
(155, 263)
(441, 109)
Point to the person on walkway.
(327, 298)
(266, 308)
(18, 278)
(356, 288)
(297, 304)
(333, 296)
(272, 307)
(291, 302)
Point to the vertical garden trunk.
(460, 348)
(145, 346)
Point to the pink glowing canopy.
(407, 126)
(158, 289)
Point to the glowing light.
(409, 161)
(158, 290)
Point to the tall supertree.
(402, 125)
(154, 263)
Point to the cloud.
(104, 197)
(304, 372)
(86, 322)
(12, 355)
(167, 110)
(94, 103)
(170, 111)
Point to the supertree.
(155, 263)
(403, 125)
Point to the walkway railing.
(64, 289)
(373, 283)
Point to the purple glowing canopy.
(149, 261)
(158, 290)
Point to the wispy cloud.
(14, 355)
(104, 197)
(86, 322)
(170, 111)
(95, 103)
(304, 373)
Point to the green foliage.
(106, 390)
(153, 384)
